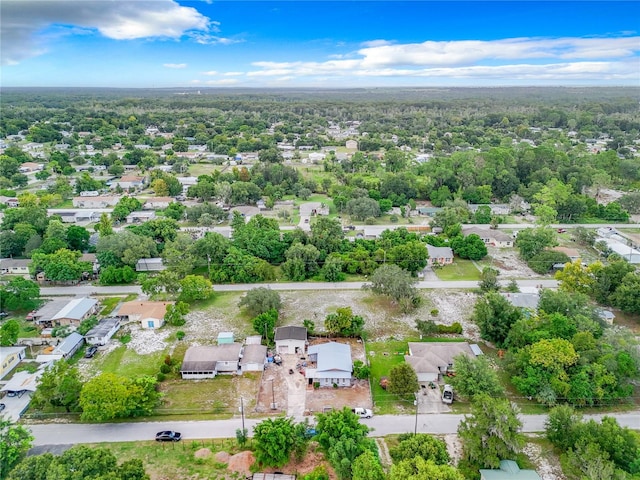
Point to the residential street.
(127, 289)
(58, 434)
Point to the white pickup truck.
(362, 412)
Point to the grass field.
(127, 363)
(460, 270)
(383, 356)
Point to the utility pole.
(242, 412)
(415, 428)
(273, 397)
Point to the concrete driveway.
(429, 400)
(15, 406)
(296, 386)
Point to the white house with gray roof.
(75, 311)
(291, 339)
(69, 346)
(207, 361)
(103, 331)
(333, 364)
(439, 255)
(253, 358)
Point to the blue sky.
(174, 43)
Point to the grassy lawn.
(219, 397)
(126, 362)
(176, 460)
(460, 270)
(383, 356)
(27, 329)
(197, 169)
(110, 303)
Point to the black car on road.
(168, 436)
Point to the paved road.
(57, 434)
(127, 289)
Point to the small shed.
(103, 331)
(70, 345)
(291, 339)
(253, 358)
(225, 337)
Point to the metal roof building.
(76, 309)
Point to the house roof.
(481, 232)
(145, 309)
(76, 309)
(431, 357)
(69, 343)
(523, 300)
(439, 252)
(205, 358)
(14, 263)
(49, 309)
(22, 381)
(141, 214)
(508, 470)
(5, 352)
(103, 327)
(253, 354)
(88, 257)
(291, 333)
(160, 200)
(333, 358)
(131, 178)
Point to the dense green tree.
(471, 247)
(491, 433)
(475, 376)
(117, 275)
(274, 440)
(326, 235)
(417, 469)
(77, 238)
(260, 237)
(105, 225)
(332, 269)
(59, 386)
(175, 314)
(195, 287)
(343, 323)
(15, 441)
(411, 256)
(9, 333)
(495, 315)
(260, 300)
(489, 280)
(109, 396)
(362, 208)
(301, 263)
(561, 427)
(124, 207)
(265, 324)
(343, 438)
(367, 467)
(627, 295)
(532, 241)
(241, 267)
(392, 281)
(127, 247)
(19, 294)
(63, 265)
(403, 380)
(421, 445)
(544, 261)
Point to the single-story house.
(10, 266)
(491, 237)
(75, 311)
(508, 470)
(428, 211)
(150, 265)
(333, 364)
(496, 208)
(291, 339)
(69, 346)
(28, 167)
(351, 144)
(433, 360)
(9, 358)
(527, 301)
(157, 203)
(253, 358)
(141, 216)
(104, 201)
(439, 255)
(22, 382)
(103, 331)
(44, 315)
(207, 361)
(572, 253)
(309, 209)
(253, 340)
(127, 182)
(149, 314)
(630, 254)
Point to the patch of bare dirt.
(547, 463)
(454, 447)
(241, 462)
(357, 395)
(314, 458)
(509, 264)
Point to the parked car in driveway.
(91, 351)
(168, 436)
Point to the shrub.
(360, 370)
(454, 328)
(180, 334)
(435, 312)
(161, 377)
(316, 385)
(164, 368)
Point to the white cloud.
(376, 43)
(23, 22)
(174, 65)
(233, 74)
(563, 59)
(210, 72)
